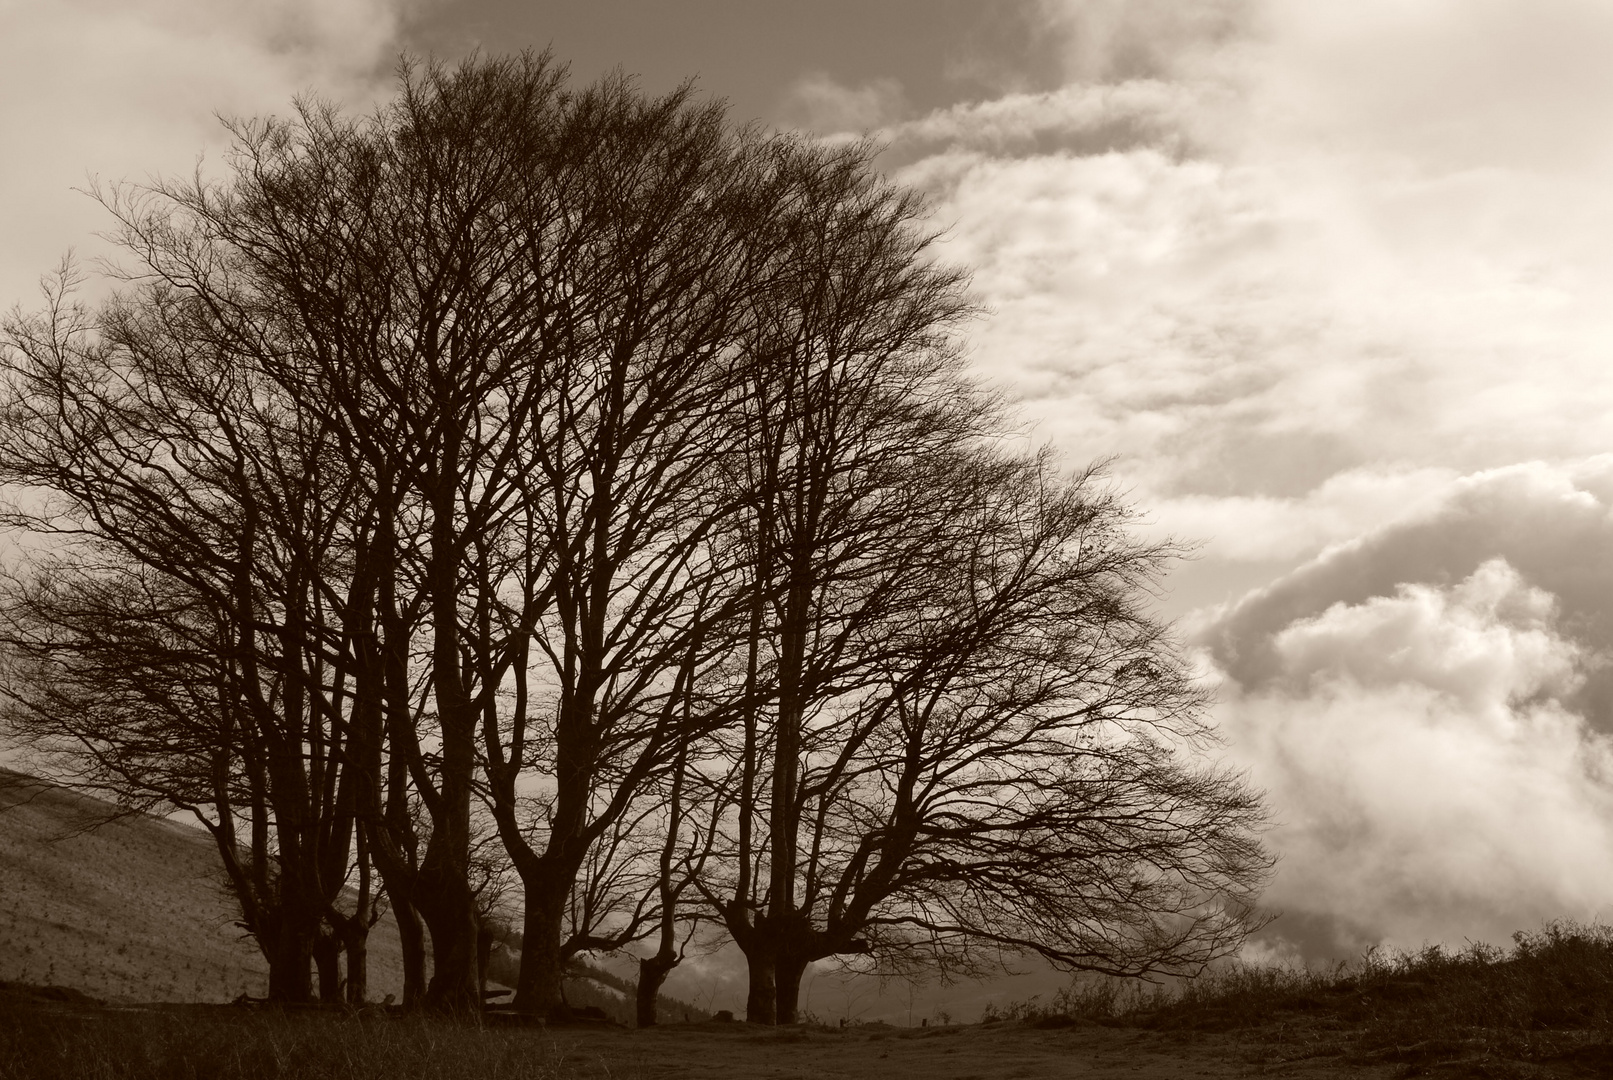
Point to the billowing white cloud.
(1430, 708)
(1331, 280)
(1266, 529)
(1430, 779)
(1281, 249)
(128, 90)
(1297, 267)
(1114, 40)
(1553, 523)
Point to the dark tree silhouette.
(575, 452)
(929, 618)
(1008, 770)
(183, 633)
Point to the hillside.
(131, 908)
(127, 908)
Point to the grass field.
(1543, 1009)
(56, 1040)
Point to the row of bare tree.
(565, 474)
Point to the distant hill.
(127, 908)
(130, 907)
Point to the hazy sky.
(1330, 281)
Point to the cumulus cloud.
(1082, 118)
(115, 90)
(1429, 707)
(1553, 523)
(1267, 529)
(1116, 40)
(1252, 247)
(1432, 781)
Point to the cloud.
(1429, 708)
(1431, 780)
(1079, 118)
(817, 102)
(1331, 280)
(1270, 529)
(1117, 40)
(1444, 84)
(1553, 523)
(1274, 250)
(115, 90)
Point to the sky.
(1327, 282)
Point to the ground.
(998, 1052)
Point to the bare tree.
(179, 633)
(852, 386)
(1016, 775)
(570, 450)
(394, 277)
(896, 567)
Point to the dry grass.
(45, 1035)
(1543, 1008)
(222, 1043)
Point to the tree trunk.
(761, 997)
(412, 936)
(357, 948)
(449, 909)
(484, 955)
(290, 957)
(542, 968)
(349, 936)
(788, 970)
(652, 973)
(327, 949)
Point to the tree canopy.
(566, 466)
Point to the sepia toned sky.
(1331, 283)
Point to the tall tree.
(879, 550)
(180, 631)
(852, 386)
(397, 274)
(1014, 771)
(626, 611)
(571, 449)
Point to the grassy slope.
(1543, 1008)
(131, 909)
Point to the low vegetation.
(224, 1042)
(1543, 1008)
(1549, 999)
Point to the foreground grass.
(1547, 1001)
(220, 1043)
(1542, 1009)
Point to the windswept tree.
(1011, 769)
(953, 691)
(183, 634)
(571, 450)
